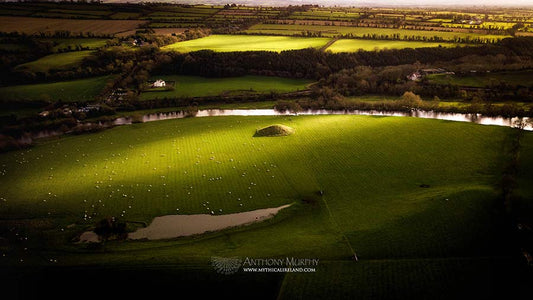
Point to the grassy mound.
(274, 130)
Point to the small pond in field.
(173, 226)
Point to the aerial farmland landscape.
(273, 149)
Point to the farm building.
(159, 83)
(414, 76)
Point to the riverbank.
(100, 124)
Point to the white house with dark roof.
(159, 83)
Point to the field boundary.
(326, 46)
(338, 228)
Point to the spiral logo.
(226, 265)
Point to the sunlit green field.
(352, 45)
(194, 86)
(359, 32)
(226, 43)
(56, 61)
(419, 194)
(180, 164)
(66, 91)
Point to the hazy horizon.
(366, 3)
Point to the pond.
(174, 226)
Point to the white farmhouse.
(159, 83)
(415, 76)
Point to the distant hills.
(365, 3)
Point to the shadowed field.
(36, 25)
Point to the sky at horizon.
(350, 2)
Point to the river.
(459, 117)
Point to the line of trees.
(407, 102)
(306, 63)
(311, 63)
